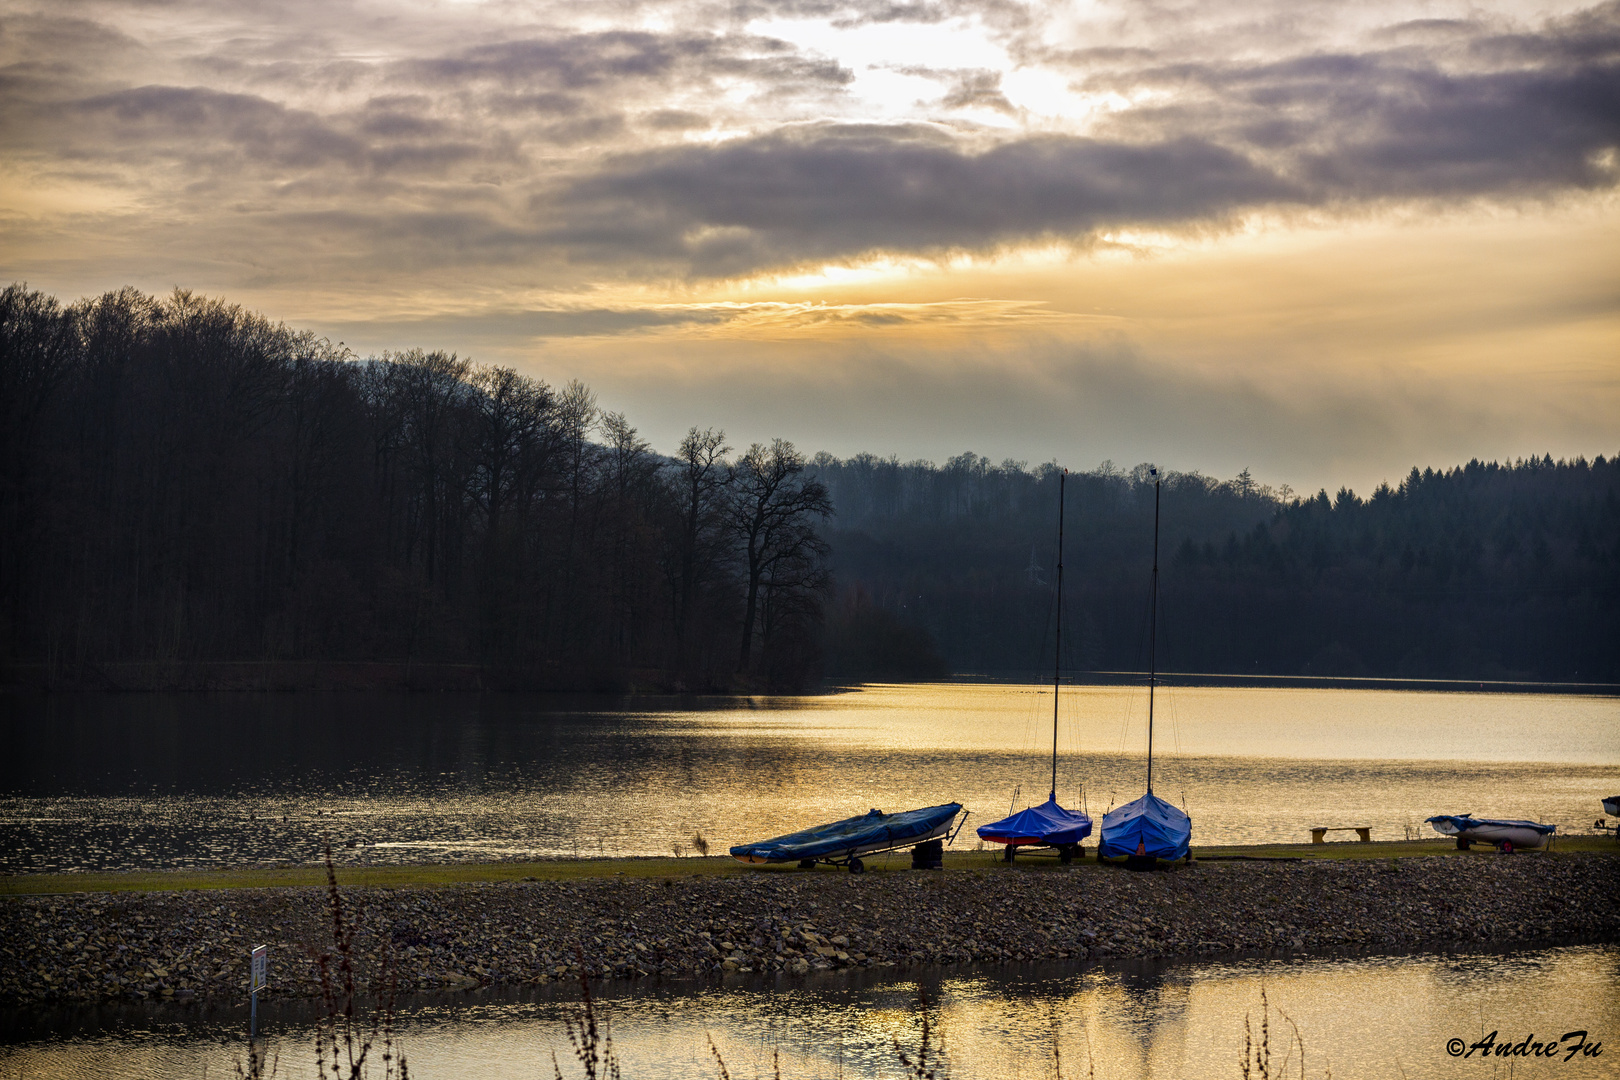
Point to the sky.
(1322, 241)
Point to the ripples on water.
(1368, 1018)
(132, 781)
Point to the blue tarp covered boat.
(1046, 824)
(1149, 828)
(842, 842)
(1049, 824)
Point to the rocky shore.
(194, 945)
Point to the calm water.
(1369, 1018)
(129, 781)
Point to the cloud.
(1316, 131)
(834, 192)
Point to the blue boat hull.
(872, 831)
(1149, 828)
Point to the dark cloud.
(602, 60)
(831, 192)
(195, 122)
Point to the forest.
(1483, 571)
(186, 485)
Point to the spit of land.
(186, 936)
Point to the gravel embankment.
(193, 945)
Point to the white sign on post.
(261, 958)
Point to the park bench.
(1319, 836)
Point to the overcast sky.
(1326, 241)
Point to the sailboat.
(1046, 825)
(1149, 829)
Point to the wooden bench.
(1318, 836)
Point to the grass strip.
(428, 876)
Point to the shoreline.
(449, 676)
(87, 947)
(562, 868)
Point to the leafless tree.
(773, 513)
(694, 549)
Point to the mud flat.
(194, 944)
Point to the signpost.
(256, 980)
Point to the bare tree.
(773, 513)
(697, 484)
(429, 386)
(511, 442)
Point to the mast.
(1057, 653)
(1153, 631)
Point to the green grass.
(665, 867)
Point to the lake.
(103, 782)
(1372, 1018)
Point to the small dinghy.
(1611, 806)
(842, 843)
(1504, 835)
(1048, 825)
(1148, 831)
(1149, 828)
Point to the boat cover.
(1463, 822)
(1047, 823)
(1148, 826)
(872, 830)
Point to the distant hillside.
(1481, 571)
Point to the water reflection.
(1373, 1018)
(127, 781)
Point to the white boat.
(1611, 806)
(1504, 835)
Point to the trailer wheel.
(1506, 848)
(1007, 856)
(1066, 854)
(1462, 845)
(807, 864)
(856, 866)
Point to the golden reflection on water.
(1369, 1018)
(220, 780)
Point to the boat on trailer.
(1048, 825)
(1611, 806)
(842, 843)
(1149, 830)
(1503, 835)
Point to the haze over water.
(98, 783)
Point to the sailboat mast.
(1153, 630)
(1057, 654)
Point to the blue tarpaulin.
(1149, 826)
(874, 831)
(1047, 823)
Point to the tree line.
(186, 482)
(1483, 571)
